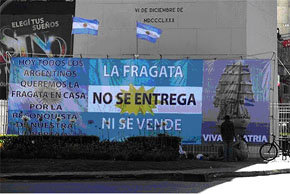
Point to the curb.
(169, 176)
(214, 176)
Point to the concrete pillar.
(283, 16)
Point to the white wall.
(261, 27)
(204, 28)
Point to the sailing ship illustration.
(233, 93)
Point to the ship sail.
(233, 88)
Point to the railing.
(213, 149)
(3, 116)
(283, 131)
(284, 120)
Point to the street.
(260, 184)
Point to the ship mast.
(239, 89)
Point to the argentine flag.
(85, 26)
(147, 32)
(249, 102)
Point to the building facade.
(195, 29)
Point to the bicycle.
(269, 151)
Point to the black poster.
(34, 36)
(4, 73)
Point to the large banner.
(240, 89)
(110, 98)
(118, 98)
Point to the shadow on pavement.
(207, 173)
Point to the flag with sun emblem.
(85, 26)
(147, 32)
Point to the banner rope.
(186, 56)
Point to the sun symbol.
(85, 25)
(50, 98)
(132, 107)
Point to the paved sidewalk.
(277, 166)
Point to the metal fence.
(284, 120)
(214, 149)
(3, 116)
(283, 130)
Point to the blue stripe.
(78, 19)
(192, 72)
(146, 37)
(246, 69)
(246, 99)
(148, 27)
(84, 31)
(249, 102)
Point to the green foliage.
(162, 148)
(34, 146)
(191, 156)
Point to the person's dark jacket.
(228, 130)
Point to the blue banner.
(111, 98)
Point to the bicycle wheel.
(268, 151)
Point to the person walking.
(228, 135)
